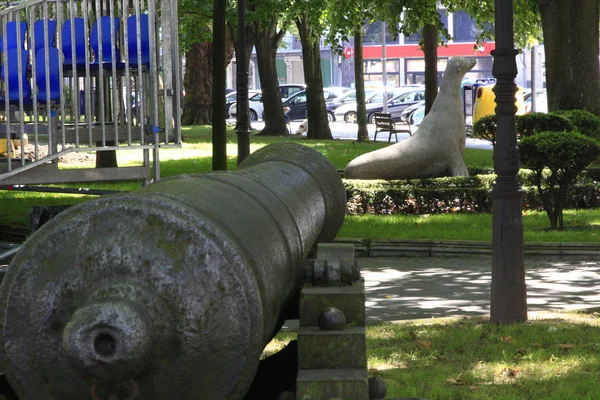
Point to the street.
(345, 131)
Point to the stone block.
(342, 349)
(349, 299)
(319, 384)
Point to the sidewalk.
(415, 287)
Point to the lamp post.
(508, 300)
(243, 118)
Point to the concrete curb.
(439, 248)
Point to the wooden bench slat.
(384, 123)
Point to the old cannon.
(169, 292)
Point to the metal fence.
(81, 76)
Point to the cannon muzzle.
(176, 287)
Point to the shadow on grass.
(472, 359)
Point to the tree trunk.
(318, 125)
(571, 45)
(219, 138)
(267, 43)
(553, 217)
(197, 82)
(430, 42)
(250, 39)
(197, 103)
(362, 134)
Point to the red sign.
(348, 52)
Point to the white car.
(231, 99)
(255, 106)
(541, 101)
(348, 113)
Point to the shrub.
(450, 195)
(592, 174)
(530, 124)
(566, 156)
(485, 128)
(526, 125)
(585, 122)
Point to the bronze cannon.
(171, 291)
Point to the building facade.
(405, 63)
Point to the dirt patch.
(70, 158)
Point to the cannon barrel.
(171, 291)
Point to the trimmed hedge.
(591, 174)
(557, 159)
(450, 195)
(485, 128)
(530, 124)
(584, 121)
(527, 125)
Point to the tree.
(565, 156)
(403, 16)
(430, 44)
(307, 15)
(268, 37)
(571, 38)
(425, 14)
(527, 26)
(196, 42)
(344, 20)
(219, 153)
(362, 134)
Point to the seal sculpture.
(436, 148)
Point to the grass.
(195, 156)
(580, 226)
(196, 153)
(552, 356)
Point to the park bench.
(384, 123)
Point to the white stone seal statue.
(436, 148)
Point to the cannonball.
(332, 319)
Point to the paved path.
(400, 288)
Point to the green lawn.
(553, 356)
(195, 157)
(580, 226)
(196, 153)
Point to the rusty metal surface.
(178, 286)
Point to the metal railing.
(91, 75)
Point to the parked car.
(348, 113)
(295, 106)
(289, 89)
(347, 98)
(414, 114)
(256, 108)
(396, 105)
(231, 99)
(541, 101)
(334, 92)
